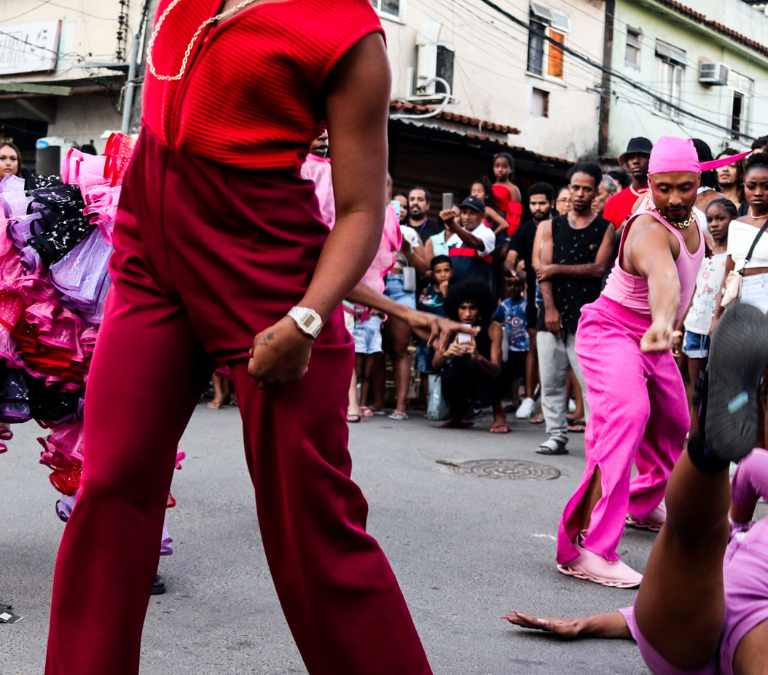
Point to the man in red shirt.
(635, 161)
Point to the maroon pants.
(205, 258)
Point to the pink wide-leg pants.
(639, 414)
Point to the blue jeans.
(394, 290)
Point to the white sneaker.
(526, 409)
(571, 406)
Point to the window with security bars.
(392, 9)
(546, 57)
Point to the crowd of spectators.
(523, 285)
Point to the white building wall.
(88, 32)
(632, 112)
(490, 78)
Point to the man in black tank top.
(575, 250)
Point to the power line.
(609, 71)
(29, 11)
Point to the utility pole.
(137, 69)
(605, 95)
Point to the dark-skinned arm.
(649, 252)
(491, 366)
(719, 309)
(467, 237)
(357, 106)
(611, 625)
(434, 329)
(593, 270)
(542, 257)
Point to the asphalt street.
(466, 550)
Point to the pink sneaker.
(653, 522)
(592, 567)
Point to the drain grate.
(503, 468)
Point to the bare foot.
(216, 403)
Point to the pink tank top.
(631, 291)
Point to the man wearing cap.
(633, 386)
(635, 162)
(470, 243)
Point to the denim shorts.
(754, 291)
(394, 291)
(696, 346)
(424, 356)
(367, 336)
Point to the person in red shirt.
(221, 254)
(635, 161)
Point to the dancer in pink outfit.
(703, 606)
(641, 416)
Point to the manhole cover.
(503, 468)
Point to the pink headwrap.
(672, 154)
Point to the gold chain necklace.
(185, 60)
(679, 224)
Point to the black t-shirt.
(574, 247)
(522, 243)
(743, 209)
(427, 229)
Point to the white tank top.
(702, 217)
(740, 238)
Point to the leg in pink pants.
(639, 413)
(205, 258)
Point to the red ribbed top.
(252, 95)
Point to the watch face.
(308, 321)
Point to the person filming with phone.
(471, 365)
(470, 242)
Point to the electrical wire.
(29, 11)
(609, 71)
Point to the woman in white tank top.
(742, 234)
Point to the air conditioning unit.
(714, 74)
(434, 59)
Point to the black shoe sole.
(737, 359)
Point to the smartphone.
(464, 338)
(396, 205)
(447, 201)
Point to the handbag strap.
(752, 248)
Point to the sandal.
(538, 418)
(499, 428)
(397, 415)
(365, 411)
(552, 447)
(354, 419)
(215, 405)
(577, 426)
(377, 412)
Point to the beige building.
(62, 70)
(513, 88)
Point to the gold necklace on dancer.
(679, 224)
(185, 60)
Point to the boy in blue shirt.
(431, 300)
(511, 314)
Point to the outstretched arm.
(610, 625)
(431, 327)
(649, 253)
